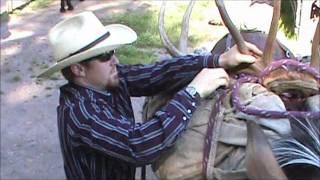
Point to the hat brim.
(119, 36)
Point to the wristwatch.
(192, 91)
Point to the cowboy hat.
(83, 36)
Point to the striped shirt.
(98, 135)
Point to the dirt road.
(29, 140)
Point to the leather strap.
(211, 137)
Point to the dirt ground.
(29, 140)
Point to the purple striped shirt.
(98, 134)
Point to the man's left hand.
(233, 57)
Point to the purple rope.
(243, 78)
(274, 114)
(286, 64)
(219, 94)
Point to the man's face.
(102, 74)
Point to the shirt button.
(184, 118)
(193, 104)
(189, 111)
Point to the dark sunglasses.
(104, 57)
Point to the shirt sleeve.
(175, 73)
(137, 143)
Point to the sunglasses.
(104, 57)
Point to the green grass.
(38, 4)
(145, 23)
(133, 55)
(4, 17)
(16, 78)
(31, 6)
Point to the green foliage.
(288, 18)
(145, 23)
(173, 20)
(31, 6)
(37, 4)
(16, 78)
(131, 54)
(4, 17)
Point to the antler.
(232, 28)
(315, 55)
(183, 41)
(259, 65)
(267, 53)
(163, 35)
(183, 44)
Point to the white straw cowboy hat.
(83, 36)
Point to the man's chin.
(113, 85)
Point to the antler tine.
(268, 50)
(315, 55)
(231, 27)
(183, 43)
(163, 35)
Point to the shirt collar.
(85, 92)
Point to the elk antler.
(163, 35)
(259, 65)
(260, 161)
(267, 53)
(315, 55)
(183, 41)
(183, 44)
(232, 28)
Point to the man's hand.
(208, 80)
(233, 57)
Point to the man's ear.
(78, 70)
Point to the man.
(68, 3)
(97, 130)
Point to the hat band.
(95, 42)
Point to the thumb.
(254, 49)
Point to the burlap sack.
(184, 159)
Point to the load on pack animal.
(264, 126)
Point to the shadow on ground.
(29, 141)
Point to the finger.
(220, 73)
(246, 58)
(254, 49)
(224, 76)
(222, 83)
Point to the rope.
(300, 67)
(212, 133)
(215, 121)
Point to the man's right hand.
(208, 80)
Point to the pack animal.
(271, 100)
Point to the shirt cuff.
(184, 105)
(211, 61)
